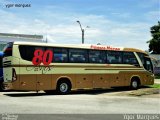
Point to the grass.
(155, 86)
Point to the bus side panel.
(44, 81)
(145, 79)
(116, 80)
(15, 83)
(127, 78)
(148, 79)
(84, 81)
(27, 82)
(56, 77)
(16, 68)
(53, 81)
(100, 81)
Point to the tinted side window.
(60, 55)
(96, 56)
(27, 52)
(129, 58)
(78, 56)
(114, 57)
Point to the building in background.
(8, 37)
(156, 63)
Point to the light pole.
(82, 31)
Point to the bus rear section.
(7, 66)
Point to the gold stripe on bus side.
(66, 70)
(116, 69)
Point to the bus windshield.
(148, 64)
(146, 61)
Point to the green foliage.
(157, 76)
(154, 43)
(155, 86)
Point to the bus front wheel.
(134, 84)
(63, 87)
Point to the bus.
(49, 67)
(1, 72)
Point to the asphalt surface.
(87, 102)
(108, 104)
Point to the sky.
(119, 23)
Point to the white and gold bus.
(48, 67)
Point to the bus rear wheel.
(63, 87)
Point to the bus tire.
(135, 83)
(63, 86)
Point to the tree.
(154, 43)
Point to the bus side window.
(114, 57)
(129, 58)
(78, 56)
(27, 52)
(96, 56)
(60, 55)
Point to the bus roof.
(82, 46)
(135, 50)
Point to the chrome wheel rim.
(63, 87)
(134, 84)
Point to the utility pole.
(83, 30)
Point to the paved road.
(94, 102)
(80, 103)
